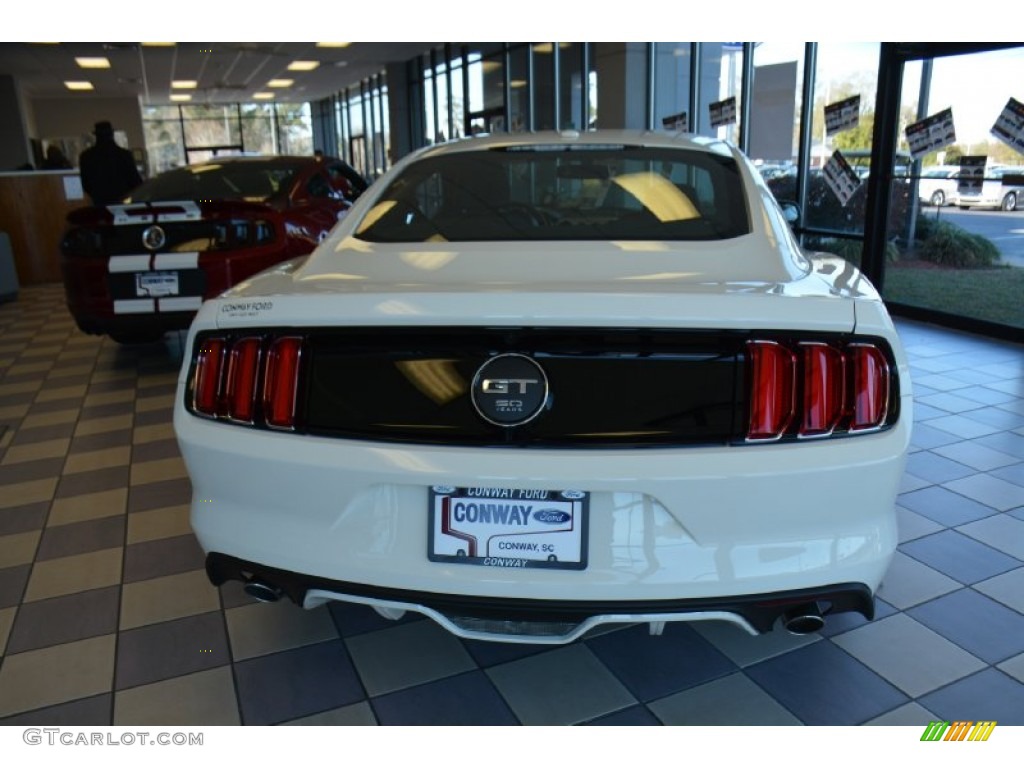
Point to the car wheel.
(938, 198)
(1009, 202)
(137, 337)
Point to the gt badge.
(509, 390)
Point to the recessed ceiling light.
(280, 82)
(263, 95)
(181, 97)
(93, 62)
(333, 45)
(160, 45)
(491, 65)
(548, 47)
(184, 84)
(78, 85)
(517, 83)
(303, 66)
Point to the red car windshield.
(255, 181)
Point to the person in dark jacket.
(55, 159)
(108, 171)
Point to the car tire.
(1009, 202)
(938, 198)
(963, 207)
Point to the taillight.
(206, 382)
(249, 380)
(870, 387)
(824, 390)
(281, 382)
(772, 377)
(240, 387)
(242, 233)
(812, 389)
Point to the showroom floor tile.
(107, 617)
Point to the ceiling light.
(548, 47)
(280, 82)
(333, 45)
(93, 62)
(159, 45)
(263, 95)
(78, 85)
(490, 65)
(181, 97)
(517, 83)
(303, 66)
(184, 84)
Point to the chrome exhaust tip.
(803, 619)
(261, 591)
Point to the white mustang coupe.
(536, 383)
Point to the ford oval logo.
(573, 495)
(154, 238)
(551, 516)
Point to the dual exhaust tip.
(260, 590)
(803, 619)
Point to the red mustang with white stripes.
(136, 270)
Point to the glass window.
(570, 87)
(259, 131)
(671, 81)
(457, 111)
(486, 94)
(721, 72)
(844, 70)
(295, 129)
(545, 193)
(519, 106)
(211, 125)
(165, 147)
(964, 258)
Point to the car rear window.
(554, 192)
(254, 181)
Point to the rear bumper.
(542, 621)
(681, 534)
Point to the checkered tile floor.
(106, 616)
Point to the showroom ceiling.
(223, 72)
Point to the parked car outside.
(1003, 189)
(938, 185)
(537, 383)
(136, 270)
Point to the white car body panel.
(707, 522)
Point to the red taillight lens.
(206, 386)
(843, 388)
(824, 379)
(870, 387)
(240, 386)
(280, 383)
(773, 369)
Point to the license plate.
(156, 284)
(508, 527)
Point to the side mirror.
(790, 211)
